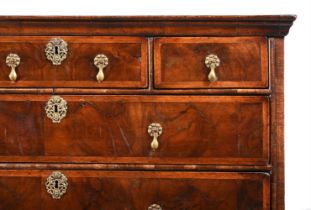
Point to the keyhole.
(56, 184)
(56, 50)
(55, 108)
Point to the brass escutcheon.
(155, 207)
(56, 184)
(56, 50)
(56, 109)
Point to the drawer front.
(195, 129)
(135, 190)
(73, 65)
(241, 62)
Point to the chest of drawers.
(142, 113)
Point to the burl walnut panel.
(122, 190)
(196, 129)
(127, 66)
(179, 62)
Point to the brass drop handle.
(212, 61)
(155, 130)
(101, 61)
(56, 184)
(154, 207)
(13, 60)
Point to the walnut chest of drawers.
(142, 113)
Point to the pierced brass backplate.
(56, 51)
(56, 184)
(56, 109)
(155, 207)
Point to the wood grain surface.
(127, 66)
(196, 129)
(267, 25)
(179, 62)
(107, 190)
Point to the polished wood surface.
(222, 145)
(147, 91)
(179, 62)
(277, 123)
(267, 25)
(127, 66)
(137, 190)
(196, 129)
(133, 166)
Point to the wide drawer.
(187, 62)
(68, 61)
(133, 190)
(114, 129)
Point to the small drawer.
(135, 129)
(73, 61)
(211, 62)
(116, 190)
